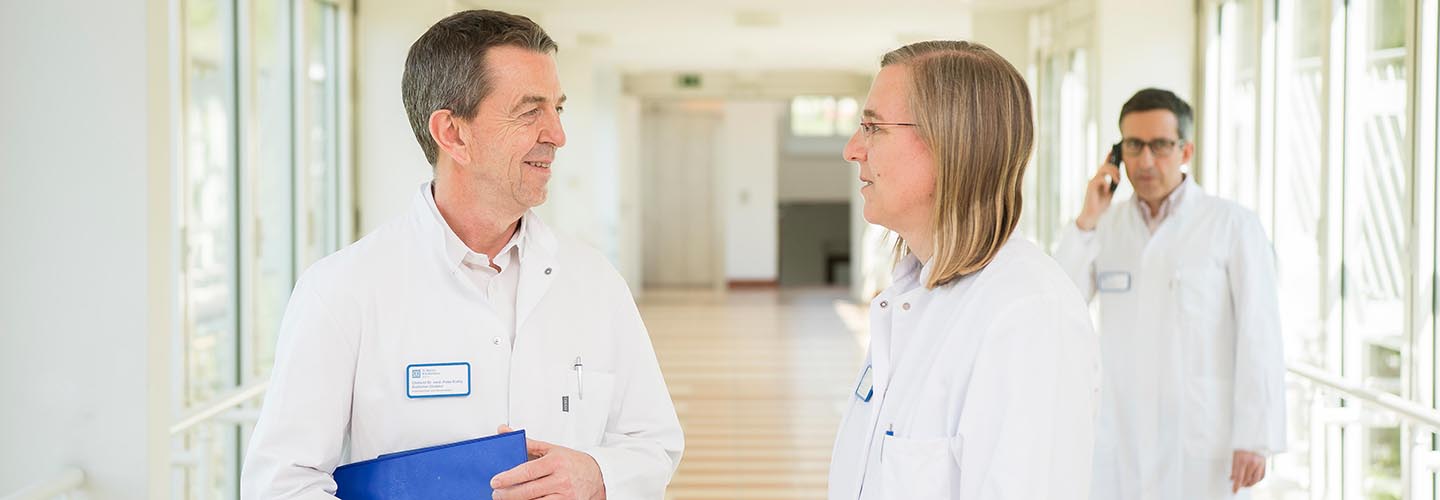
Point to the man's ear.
(447, 130)
(1187, 152)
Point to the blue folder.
(455, 470)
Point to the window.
(1377, 187)
(261, 197)
(823, 116)
(1353, 191)
(1076, 162)
(208, 225)
(1236, 173)
(1065, 163)
(272, 235)
(321, 213)
(1300, 204)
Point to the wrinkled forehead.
(519, 76)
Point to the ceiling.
(689, 35)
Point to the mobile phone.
(1114, 159)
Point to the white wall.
(584, 197)
(1007, 33)
(630, 237)
(749, 137)
(814, 178)
(609, 123)
(79, 164)
(1139, 44)
(389, 165)
(813, 169)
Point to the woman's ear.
(447, 130)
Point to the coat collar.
(1189, 198)
(539, 262)
(534, 240)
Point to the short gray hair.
(446, 66)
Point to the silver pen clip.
(580, 377)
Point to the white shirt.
(983, 389)
(1167, 206)
(496, 287)
(359, 319)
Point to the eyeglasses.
(1159, 147)
(870, 128)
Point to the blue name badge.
(1112, 281)
(437, 380)
(866, 388)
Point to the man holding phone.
(1193, 395)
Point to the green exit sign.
(689, 81)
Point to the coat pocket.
(916, 468)
(1201, 296)
(584, 411)
(594, 408)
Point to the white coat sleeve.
(643, 441)
(1028, 424)
(1259, 421)
(301, 432)
(1076, 254)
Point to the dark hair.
(1152, 99)
(446, 66)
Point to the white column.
(86, 260)
(748, 149)
(389, 165)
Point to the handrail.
(1405, 408)
(68, 480)
(225, 402)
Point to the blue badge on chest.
(866, 388)
(437, 380)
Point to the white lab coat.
(989, 385)
(1191, 347)
(359, 317)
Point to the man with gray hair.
(468, 316)
(1192, 401)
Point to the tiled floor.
(758, 379)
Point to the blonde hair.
(972, 109)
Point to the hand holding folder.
(456, 470)
(552, 470)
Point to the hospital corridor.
(753, 375)
(721, 249)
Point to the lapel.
(1166, 235)
(881, 321)
(539, 268)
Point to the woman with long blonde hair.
(983, 369)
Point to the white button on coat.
(359, 317)
(987, 384)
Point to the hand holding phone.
(1100, 189)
